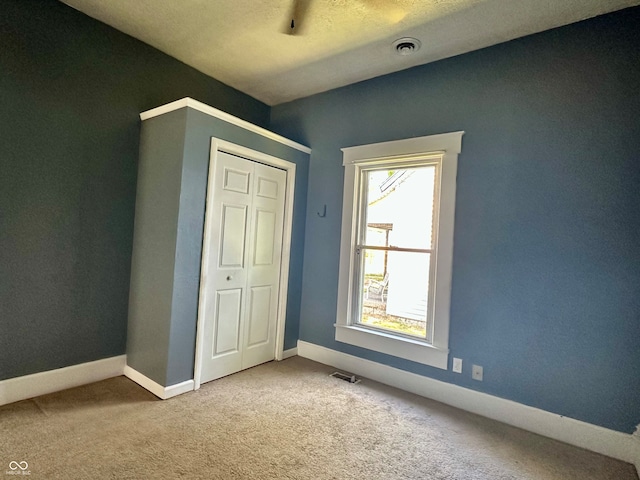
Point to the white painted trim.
(449, 142)
(286, 253)
(442, 151)
(290, 168)
(292, 352)
(158, 390)
(214, 112)
(407, 348)
(621, 446)
(42, 383)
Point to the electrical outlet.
(457, 365)
(476, 372)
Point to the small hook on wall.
(324, 212)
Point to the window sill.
(403, 347)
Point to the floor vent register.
(346, 377)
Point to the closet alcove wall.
(168, 234)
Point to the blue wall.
(71, 90)
(546, 273)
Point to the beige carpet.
(286, 420)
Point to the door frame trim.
(218, 145)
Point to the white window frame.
(445, 149)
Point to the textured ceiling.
(243, 42)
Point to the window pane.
(399, 207)
(395, 291)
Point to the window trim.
(447, 146)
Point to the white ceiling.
(242, 42)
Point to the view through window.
(395, 249)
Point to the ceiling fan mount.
(296, 23)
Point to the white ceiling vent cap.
(406, 46)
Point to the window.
(396, 247)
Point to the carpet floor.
(284, 420)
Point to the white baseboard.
(608, 442)
(29, 386)
(158, 390)
(292, 352)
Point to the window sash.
(357, 301)
(392, 248)
(398, 309)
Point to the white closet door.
(244, 266)
(264, 262)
